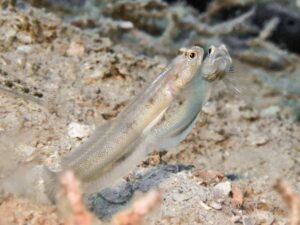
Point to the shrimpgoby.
(113, 150)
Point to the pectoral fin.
(173, 139)
(154, 122)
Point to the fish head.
(216, 64)
(188, 62)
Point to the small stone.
(24, 48)
(119, 194)
(270, 111)
(222, 189)
(257, 140)
(236, 219)
(249, 115)
(25, 39)
(154, 159)
(10, 33)
(4, 61)
(210, 108)
(217, 137)
(21, 61)
(180, 197)
(213, 136)
(126, 25)
(247, 221)
(206, 207)
(99, 72)
(216, 205)
(27, 150)
(76, 49)
(208, 176)
(76, 130)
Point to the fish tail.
(51, 184)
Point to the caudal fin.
(51, 184)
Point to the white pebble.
(216, 205)
(24, 48)
(76, 49)
(210, 108)
(222, 189)
(77, 130)
(270, 111)
(27, 150)
(257, 139)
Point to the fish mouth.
(223, 56)
(210, 77)
(222, 63)
(218, 75)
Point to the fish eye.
(192, 55)
(209, 51)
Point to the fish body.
(110, 152)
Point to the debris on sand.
(237, 196)
(71, 204)
(222, 189)
(139, 209)
(77, 130)
(291, 199)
